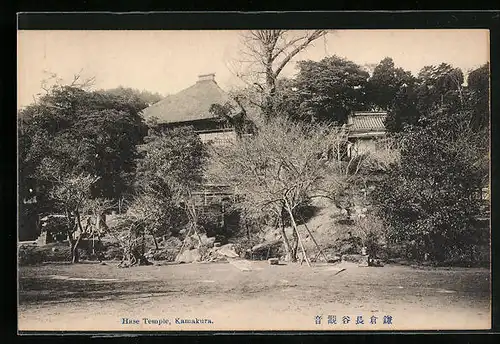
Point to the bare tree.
(264, 55)
(54, 80)
(71, 193)
(130, 235)
(148, 214)
(277, 170)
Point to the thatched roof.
(190, 104)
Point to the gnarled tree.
(264, 55)
(70, 193)
(283, 166)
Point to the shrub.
(112, 251)
(350, 245)
(28, 255)
(32, 255)
(477, 255)
(169, 250)
(428, 198)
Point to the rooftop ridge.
(189, 104)
(369, 113)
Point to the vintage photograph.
(253, 180)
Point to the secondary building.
(365, 131)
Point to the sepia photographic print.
(253, 180)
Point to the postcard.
(253, 180)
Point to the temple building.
(365, 129)
(192, 107)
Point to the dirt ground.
(86, 297)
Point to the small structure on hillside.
(365, 129)
(52, 228)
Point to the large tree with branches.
(283, 167)
(431, 198)
(264, 55)
(91, 132)
(70, 192)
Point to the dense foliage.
(173, 158)
(386, 83)
(70, 131)
(146, 97)
(74, 146)
(327, 90)
(430, 199)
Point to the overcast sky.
(169, 61)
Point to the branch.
(323, 196)
(315, 35)
(288, 45)
(271, 201)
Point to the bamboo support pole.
(315, 242)
(303, 248)
(294, 224)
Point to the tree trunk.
(292, 248)
(71, 246)
(269, 105)
(270, 90)
(75, 254)
(155, 241)
(141, 259)
(194, 221)
(294, 225)
(73, 226)
(288, 248)
(134, 251)
(188, 233)
(295, 246)
(98, 252)
(78, 221)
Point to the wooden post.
(222, 212)
(303, 249)
(296, 231)
(184, 243)
(315, 242)
(198, 235)
(195, 222)
(317, 256)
